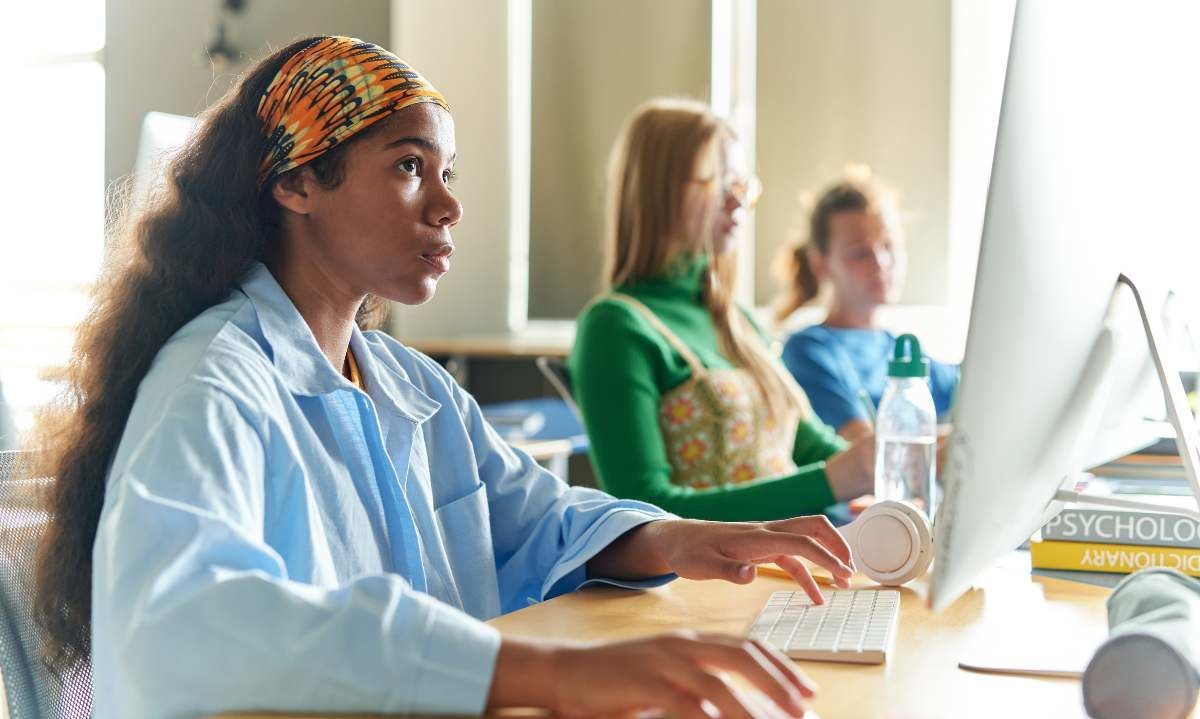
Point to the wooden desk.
(551, 453)
(545, 449)
(497, 367)
(1011, 613)
(518, 346)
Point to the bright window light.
(52, 226)
(51, 30)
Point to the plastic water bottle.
(906, 431)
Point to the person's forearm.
(854, 429)
(521, 675)
(806, 491)
(631, 556)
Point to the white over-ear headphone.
(891, 542)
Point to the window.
(52, 225)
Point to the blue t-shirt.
(833, 364)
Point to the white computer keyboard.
(854, 625)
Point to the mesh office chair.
(32, 691)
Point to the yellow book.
(1121, 558)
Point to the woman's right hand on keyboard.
(851, 472)
(673, 674)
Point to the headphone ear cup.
(892, 542)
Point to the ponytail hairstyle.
(858, 191)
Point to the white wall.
(838, 82)
(154, 56)
(866, 81)
(470, 66)
(594, 61)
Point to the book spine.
(1123, 527)
(1140, 471)
(1120, 558)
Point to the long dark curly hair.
(179, 253)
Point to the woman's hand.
(851, 472)
(730, 550)
(674, 674)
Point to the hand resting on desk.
(678, 673)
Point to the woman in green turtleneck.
(684, 405)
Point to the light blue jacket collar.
(383, 373)
(306, 371)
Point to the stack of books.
(1146, 466)
(1086, 538)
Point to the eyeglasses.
(746, 190)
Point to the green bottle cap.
(907, 360)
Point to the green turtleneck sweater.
(620, 367)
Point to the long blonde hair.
(649, 171)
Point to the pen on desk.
(774, 571)
(868, 405)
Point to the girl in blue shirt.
(260, 504)
(855, 245)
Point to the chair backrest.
(555, 372)
(31, 690)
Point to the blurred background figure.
(684, 404)
(853, 248)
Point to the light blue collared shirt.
(274, 538)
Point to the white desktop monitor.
(163, 134)
(1097, 121)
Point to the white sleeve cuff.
(456, 663)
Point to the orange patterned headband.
(328, 92)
